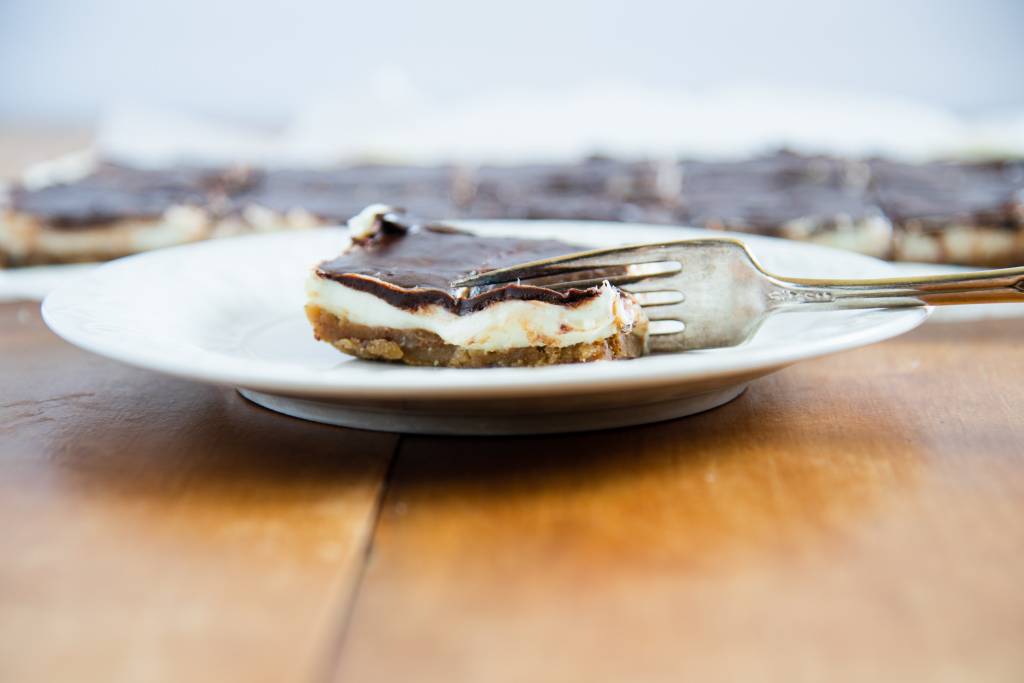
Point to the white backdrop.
(257, 62)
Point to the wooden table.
(859, 517)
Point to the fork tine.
(659, 297)
(627, 277)
(568, 264)
(662, 312)
(666, 326)
(651, 283)
(588, 282)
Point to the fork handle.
(1005, 285)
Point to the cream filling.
(366, 223)
(24, 237)
(68, 168)
(504, 325)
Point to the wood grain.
(153, 529)
(859, 517)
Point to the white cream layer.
(25, 237)
(504, 325)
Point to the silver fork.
(710, 293)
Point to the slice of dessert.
(388, 297)
(966, 213)
(815, 199)
(84, 209)
(99, 210)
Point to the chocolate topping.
(338, 194)
(113, 192)
(410, 265)
(934, 196)
(763, 195)
(767, 195)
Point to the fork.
(710, 293)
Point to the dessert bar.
(388, 297)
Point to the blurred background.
(458, 78)
(69, 61)
(459, 83)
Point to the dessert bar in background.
(956, 212)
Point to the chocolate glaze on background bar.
(825, 199)
(933, 196)
(337, 194)
(410, 265)
(757, 194)
(763, 196)
(114, 192)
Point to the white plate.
(230, 312)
